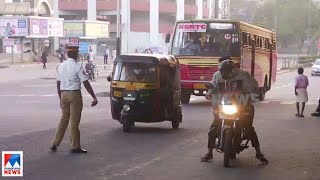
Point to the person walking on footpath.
(106, 56)
(44, 59)
(301, 84)
(69, 78)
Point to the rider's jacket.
(241, 82)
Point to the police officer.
(227, 71)
(69, 78)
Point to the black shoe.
(207, 157)
(262, 158)
(315, 114)
(53, 148)
(78, 151)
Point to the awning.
(22, 8)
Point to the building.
(144, 23)
(27, 7)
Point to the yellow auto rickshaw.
(145, 88)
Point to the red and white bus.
(198, 44)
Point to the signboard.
(63, 41)
(73, 29)
(8, 42)
(100, 30)
(14, 27)
(84, 47)
(39, 27)
(192, 27)
(55, 28)
(74, 41)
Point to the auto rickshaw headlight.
(126, 107)
(229, 109)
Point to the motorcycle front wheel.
(227, 147)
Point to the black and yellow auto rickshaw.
(145, 88)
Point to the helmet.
(226, 69)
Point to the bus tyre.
(176, 121)
(126, 124)
(185, 97)
(227, 147)
(262, 93)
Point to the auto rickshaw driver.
(136, 74)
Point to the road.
(30, 113)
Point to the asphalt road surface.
(30, 113)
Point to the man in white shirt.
(70, 76)
(106, 56)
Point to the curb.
(281, 72)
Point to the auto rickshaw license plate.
(117, 93)
(199, 86)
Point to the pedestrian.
(61, 53)
(106, 56)
(69, 77)
(91, 56)
(44, 59)
(301, 93)
(317, 113)
(136, 51)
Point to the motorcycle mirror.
(209, 85)
(109, 78)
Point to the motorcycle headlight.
(229, 109)
(126, 107)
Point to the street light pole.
(309, 32)
(118, 43)
(275, 16)
(216, 9)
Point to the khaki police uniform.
(71, 75)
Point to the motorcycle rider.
(227, 71)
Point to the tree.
(292, 21)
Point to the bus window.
(245, 39)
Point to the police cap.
(72, 48)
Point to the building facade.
(144, 23)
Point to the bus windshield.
(206, 39)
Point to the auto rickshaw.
(145, 88)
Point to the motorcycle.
(232, 138)
(89, 70)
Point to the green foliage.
(291, 22)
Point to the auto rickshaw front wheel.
(185, 97)
(127, 124)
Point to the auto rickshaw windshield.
(135, 72)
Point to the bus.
(199, 43)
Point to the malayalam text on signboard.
(73, 29)
(39, 27)
(14, 27)
(8, 42)
(55, 28)
(100, 30)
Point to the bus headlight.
(229, 109)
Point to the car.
(315, 70)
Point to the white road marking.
(265, 102)
(135, 168)
(49, 95)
